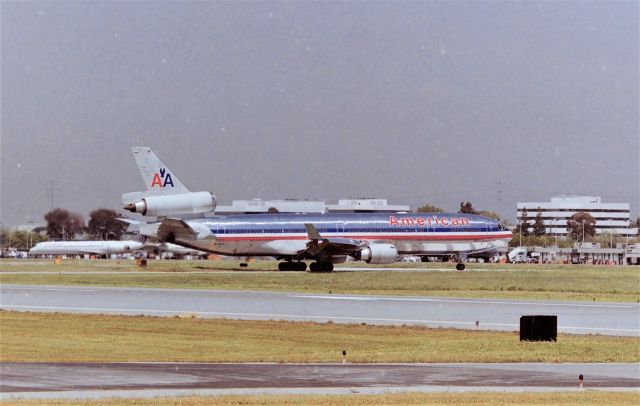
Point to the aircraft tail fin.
(156, 175)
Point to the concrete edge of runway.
(371, 390)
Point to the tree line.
(103, 224)
(63, 224)
(465, 207)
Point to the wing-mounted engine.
(170, 205)
(378, 254)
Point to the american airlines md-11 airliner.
(326, 239)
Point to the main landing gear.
(321, 267)
(292, 266)
(460, 266)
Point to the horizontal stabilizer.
(129, 221)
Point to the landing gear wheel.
(460, 266)
(289, 266)
(321, 267)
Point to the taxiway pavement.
(78, 380)
(622, 319)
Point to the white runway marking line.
(358, 319)
(469, 301)
(330, 297)
(245, 314)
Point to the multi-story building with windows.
(611, 218)
(360, 205)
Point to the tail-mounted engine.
(169, 205)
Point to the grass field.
(70, 265)
(587, 398)
(547, 282)
(59, 337)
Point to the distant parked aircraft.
(85, 247)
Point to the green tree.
(490, 214)
(635, 224)
(523, 224)
(539, 227)
(467, 207)
(4, 238)
(429, 208)
(528, 241)
(581, 225)
(24, 240)
(273, 210)
(606, 240)
(104, 225)
(63, 224)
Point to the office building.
(611, 218)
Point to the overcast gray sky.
(419, 102)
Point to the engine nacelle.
(168, 205)
(339, 259)
(379, 254)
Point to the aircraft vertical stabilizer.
(158, 178)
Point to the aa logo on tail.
(162, 178)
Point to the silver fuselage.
(285, 234)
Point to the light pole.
(520, 234)
(628, 232)
(582, 232)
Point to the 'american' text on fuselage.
(428, 221)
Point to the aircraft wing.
(329, 245)
(172, 229)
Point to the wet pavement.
(41, 377)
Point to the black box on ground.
(538, 328)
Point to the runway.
(620, 319)
(80, 380)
